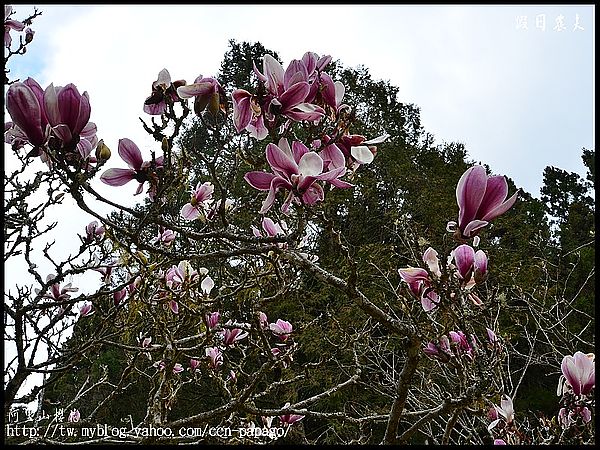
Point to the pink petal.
(293, 96)
(305, 111)
(191, 90)
(276, 184)
(189, 212)
(280, 162)
(469, 193)
(362, 154)
(464, 256)
(334, 156)
(501, 209)
(259, 180)
(130, 153)
(117, 177)
(274, 73)
(474, 226)
(242, 111)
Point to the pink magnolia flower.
(290, 419)
(10, 24)
(162, 90)
(68, 112)
(26, 107)
(199, 203)
(505, 410)
(263, 320)
(93, 232)
(440, 351)
(289, 90)
(215, 357)
(579, 373)
(470, 263)
(180, 274)
(430, 257)
(231, 336)
(119, 296)
(174, 306)
(420, 285)
(271, 228)
(177, 368)
(87, 309)
(499, 442)
(480, 200)
(296, 170)
(56, 292)
(139, 170)
(492, 338)
(194, 364)
(282, 329)
(568, 417)
(74, 416)
(212, 319)
(462, 345)
(205, 91)
(165, 236)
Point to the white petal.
(362, 154)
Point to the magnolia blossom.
(199, 203)
(68, 112)
(165, 236)
(471, 265)
(215, 357)
(480, 200)
(74, 416)
(56, 292)
(263, 320)
(231, 336)
(119, 296)
(579, 374)
(296, 170)
(139, 170)
(568, 417)
(290, 419)
(87, 309)
(462, 344)
(194, 364)
(162, 90)
(206, 92)
(420, 285)
(180, 274)
(440, 351)
(145, 342)
(93, 232)
(505, 410)
(282, 329)
(212, 319)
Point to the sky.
(515, 84)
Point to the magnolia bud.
(29, 35)
(102, 151)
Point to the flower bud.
(102, 151)
(165, 144)
(29, 35)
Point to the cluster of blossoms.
(576, 386)
(206, 91)
(294, 94)
(458, 345)
(184, 277)
(57, 117)
(502, 421)
(466, 265)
